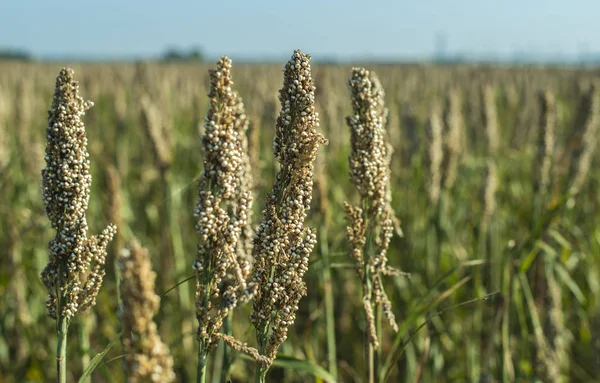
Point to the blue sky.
(336, 28)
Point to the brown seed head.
(371, 154)
(545, 144)
(436, 154)
(76, 268)
(585, 131)
(489, 193)
(282, 244)
(223, 208)
(454, 139)
(158, 130)
(490, 118)
(147, 358)
(370, 230)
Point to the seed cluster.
(371, 227)
(585, 133)
(76, 269)
(454, 137)
(282, 244)
(545, 143)
(489, 193)
(490, 118)
(436, 154)
(158, 130)
(147, 358)
(371, 154)
(223, 209)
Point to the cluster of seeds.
(147, 358)
(454, 137)
(223, 209)
(583, 139)
(545, 143)
(370, 156)
(282, 244)
(76, 268)
(370, 227)
(436, 154)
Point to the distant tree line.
(174, 54)
(15, 54)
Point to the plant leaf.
(293, 363)
(425, 303)
(570, 283)
(96, 361)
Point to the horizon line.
(517, 57)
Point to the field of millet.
(468, 250)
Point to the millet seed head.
(75, 271)
(282, 244)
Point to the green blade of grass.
(528, 260)
(96, 360)
(292, 363)
(564, 276)
(384, 375)
(538, 331)
(423, 306)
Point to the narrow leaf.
(96, 361)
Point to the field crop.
(491, 210)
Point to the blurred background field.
(491, 230)
(493, 116)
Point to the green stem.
(379, 332)
(61, 349)
(368, 255)
(203, 352)
(370, 361)
(370, 346)
(202, 359)
(226, 356)
(479, 326)
(166, 245)
(433, 244)
(261, 374)
(203, 343)
(507, 368)
(329, 304)
(83, 335)
(217, 365)
(181, 270)
(373, 232)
